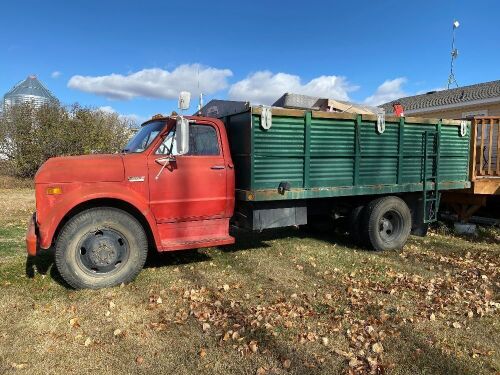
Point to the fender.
(75, 194)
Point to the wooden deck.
(484, 170)
(485, 152)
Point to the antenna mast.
(454, 54)
(200, 99)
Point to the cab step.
(196, 243)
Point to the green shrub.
(29, 136)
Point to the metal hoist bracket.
(266, 118)
(381, 121)
(463, 128)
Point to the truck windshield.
(144, 137)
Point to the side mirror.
(184, 100)
(182, 135)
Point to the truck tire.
(101, 247)
(388, 223)
(357, 226)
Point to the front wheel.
(388, 223)
(101, 247)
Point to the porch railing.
(485, 147)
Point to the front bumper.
(31, 237)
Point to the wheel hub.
(103, 251)
(389, 226)
(386, 226)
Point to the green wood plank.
(357, 149)
(401, 141)
(307, 149)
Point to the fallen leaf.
(354, 362)
(261, 371)
(117, 332)
(206, 327)
(225, 287)
(88, 341)
(139, 360)
(159, 301)
(488, 294)
(432, 317)
(456, 325)
(377, 348)
(342, 353)
(19, 366)
(286, 363)
(203, 353)
(253, 346)
(373, 363)
(111, 305)
(325, 341)
(74, 322)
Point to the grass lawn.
(279, 302)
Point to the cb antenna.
(200, 99)
(454, 54)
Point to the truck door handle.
(217, 167)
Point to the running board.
(195, 244)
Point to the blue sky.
(134, 57)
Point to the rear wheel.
(388, 223)
(101, 247)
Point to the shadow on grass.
(44, 264)
(418, 354)
(486, 234)
(249, 240)
(171, 258)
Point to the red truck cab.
(103, 212)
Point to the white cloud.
(389, 90)
(132, 117)
(107, 109)
(264, 87)
(55, 74)
(155, 82)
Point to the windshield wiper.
(125, 150)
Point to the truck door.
(192, 186)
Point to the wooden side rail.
(485, 148)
